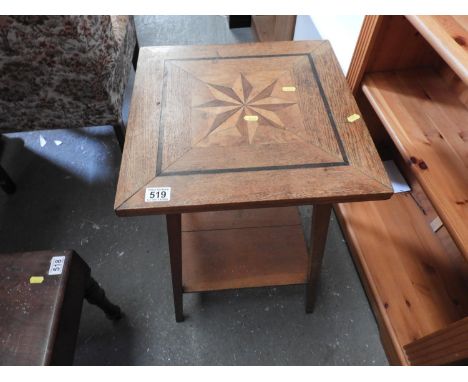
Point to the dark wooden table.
(216, 132)
(6, 183)
(41, 297)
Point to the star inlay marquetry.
(245, 108)
(236, 113)
(241, 126)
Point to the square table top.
(244, 126)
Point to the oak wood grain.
(244, 126)
(259, 217)
(234, 191)
(138, 164)
(173, 223)
(318, 235)
(355, 135)
(243, 258)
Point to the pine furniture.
(410, 78)
(217, 132)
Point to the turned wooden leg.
(119, 130)
(174, 234)
(95, 295)
(6, 183)
(318, 238)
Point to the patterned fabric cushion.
(63, 71)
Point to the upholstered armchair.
(60, 72)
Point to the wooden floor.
(414, 286)
(243, 248)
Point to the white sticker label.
(158, 194)
(56, 265)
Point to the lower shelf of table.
(243, 249)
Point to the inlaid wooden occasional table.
(217, 132)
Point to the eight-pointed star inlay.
(256, 108)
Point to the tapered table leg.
(95, 295)
(174, 233)
(318, 238)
